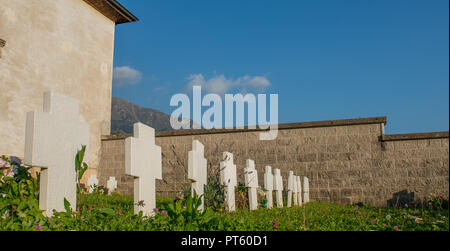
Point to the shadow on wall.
(400, 199)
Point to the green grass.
(314, 216)
(19, 210)
(98, 212)
(116, 201)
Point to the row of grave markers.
(143, 161)
(111, 184)
(272, 182)
(54, 136)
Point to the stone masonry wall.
(347, 161)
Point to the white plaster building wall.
(61, 45)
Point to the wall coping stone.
(287, 126)
(415, 136)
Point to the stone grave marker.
(143, 162)
(290, 188)
(251, 182)
(53, 138)
(299, 191)
(295, 192)
(197, 170)
(228, 179)
(278, 187)
(111, 184)
(305, 190)
(92, 183)
(268, 186)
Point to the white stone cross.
(197, 170)
(295, 191)
(92, 182)
(143, 162)
(305, 190)
(111, 184)
(251, 182)
(299, 190)
(290, 188)
(268, 186)
(278, 187)
(228, 179)
(52, 139)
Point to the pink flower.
(3, 163)
(141, 202)
(406, 205)
(155, 209)
(275, 224)
(396, 228)
(372, 221)
(39, 227)
(8, 172)
(50, 219)
(164, 212)
(89, 208)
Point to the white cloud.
(124, 75)
(221, 85)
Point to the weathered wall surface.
(414, 165)
(112, 164)
(347, 161)
(63, 45)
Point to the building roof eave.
(113, 10)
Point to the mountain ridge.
(124, 114)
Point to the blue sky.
(326, 59)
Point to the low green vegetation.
(314, 216)
(98, 212)
(19, 210)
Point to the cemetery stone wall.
(346, 161)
